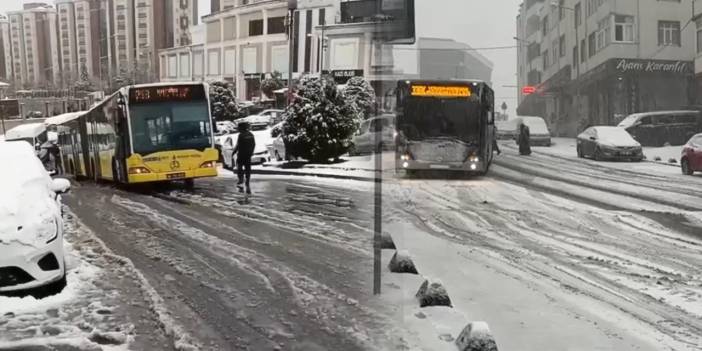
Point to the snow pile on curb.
(433, 293)
(401, 262)
(476, 336)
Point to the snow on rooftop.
(28, 130)
(63, 118)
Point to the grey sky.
(478, 23)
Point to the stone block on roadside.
(433, 293)
(401, 262)
(476, 336)
(386, 242)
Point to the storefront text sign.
(343, 76)
(652, 66)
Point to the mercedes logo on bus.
(175, 164)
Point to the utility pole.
(292, 7)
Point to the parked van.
(33, 133)
(661, 127)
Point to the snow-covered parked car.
(506, 130)
(374, 135)
(31, 227)
(691, 158)
(225, 127)
(33, 133)
(263, 118)
(608, 143)
(262, 135)
(539, 134)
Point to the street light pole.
(292, 6)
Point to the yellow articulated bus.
(141, 134)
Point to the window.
(603, 33)
(562, 46)
(623, 28)
(578, 14)
(276, 25)
(554, 51)
(544, 25)
(561, 10)
(591, 44)
(533, 51)
(322, 17)
(255, 27)
(669, 33)
(544, 56)
(575, 56)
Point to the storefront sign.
(343, 76)
(653, 66)
(254, 76)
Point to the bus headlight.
(473, 167)
(208, 164)
(138, 170)
(474, 159)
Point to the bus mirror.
(120, 101)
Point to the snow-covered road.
(555, 253)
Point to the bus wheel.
(190, 184)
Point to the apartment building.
(5, 50)
(595, 61)
(34, 45)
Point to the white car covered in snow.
(608, 143)
(263, 138)
(31, 227)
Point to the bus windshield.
(441, 118)
(170, 126)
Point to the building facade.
(595, 61)
(245, 42)
(447, 59)
(5, 50)
(34, 46)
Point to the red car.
(691, 159)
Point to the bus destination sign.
(166, 93)
(440, 91)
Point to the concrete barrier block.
(402, 263)
(476, 336)
(386, 242)
(433, 293)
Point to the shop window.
(669, 33)
(623, 28)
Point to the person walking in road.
(244, 149)
(523, 140)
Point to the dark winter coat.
(245, 145)
(523, 140)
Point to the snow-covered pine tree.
(319, 122)
(223, 102)
(361, 95)
(273, 83)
